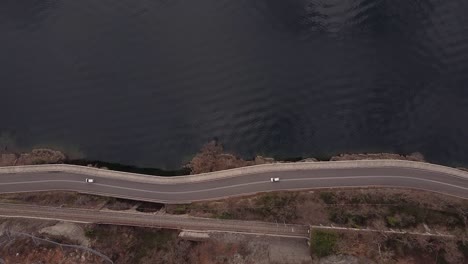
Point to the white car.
(88, 180)
(274, 179)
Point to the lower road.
(236, 182)
(152, 220)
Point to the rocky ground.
(36, 156)
(213, 158)
(374, 156)
(57, 198)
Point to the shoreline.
(210, 158)
(128, 168)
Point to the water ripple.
(148, 82)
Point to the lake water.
(147, 82)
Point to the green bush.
(323, 243)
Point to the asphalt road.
(152, 220)
(435, 181)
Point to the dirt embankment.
(375, 156)
(56, 198)
(210, 158)
(213, 158)
(36, 156)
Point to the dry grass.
(55, 198)
(385, 248)
(349, 207)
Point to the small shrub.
(323, 243)
(412, 215)
(338, 216)
(463, 247)
(181, 209)
(90, 233)
(328, 197)
(342, 217)
(225, 215)
(281, 207)
(357, 220)
(392, 221)
(151, 240)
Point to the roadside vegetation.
(381, 209)
(373, 208)
(120, 244)
(398, 248)
(58, 198)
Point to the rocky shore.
(36, 156)
(213, 158)
(378, 156)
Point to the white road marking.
(240, 185)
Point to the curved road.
(238, 181)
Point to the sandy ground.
(289, 250)
(263, 249)
(71, 231)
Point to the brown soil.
(212, 158)
(36, 156)
(15, 248)
(145, 245)
(374, 156)
(24, 250)
(391, 248)
(56, 198)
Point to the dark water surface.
(147, 82)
